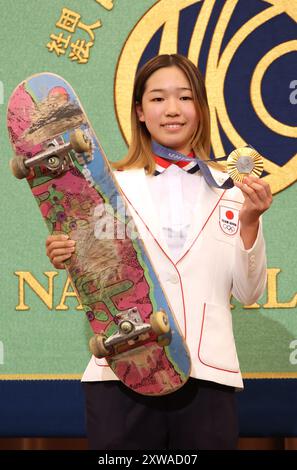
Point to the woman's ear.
(139, 111)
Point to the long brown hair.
(140, 153)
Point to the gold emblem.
(163, 14)
(244, 161)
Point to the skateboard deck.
(57, 151)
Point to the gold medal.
(244, 161)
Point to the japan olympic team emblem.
(229, 220)
(247, 56)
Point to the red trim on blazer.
(204, 363)
(100, 365)
(202, 227)
(168, 257)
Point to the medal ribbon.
(175, 156)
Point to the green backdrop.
(47, 342)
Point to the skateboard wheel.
(97, 346)
(160, 323)
(80, 142)
(18, 168)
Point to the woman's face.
(168, 109)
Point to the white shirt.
(175, 196)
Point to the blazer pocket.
(225, 238)
(216, 345)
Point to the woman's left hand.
(257, 199)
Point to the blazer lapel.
(133, 184)
(204, 206)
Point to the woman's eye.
(184, 98)
(157, 99)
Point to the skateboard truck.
(55, 158)
(130, 330)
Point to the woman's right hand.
(59, 248)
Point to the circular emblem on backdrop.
(247, 52)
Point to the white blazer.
(212, 265)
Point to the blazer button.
(174, 279)
(252, 263)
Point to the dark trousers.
(201, 415)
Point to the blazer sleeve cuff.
(250, 270)
(258, 244)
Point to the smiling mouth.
(173, 125)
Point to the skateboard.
(57, 151)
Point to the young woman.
(206, 244)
